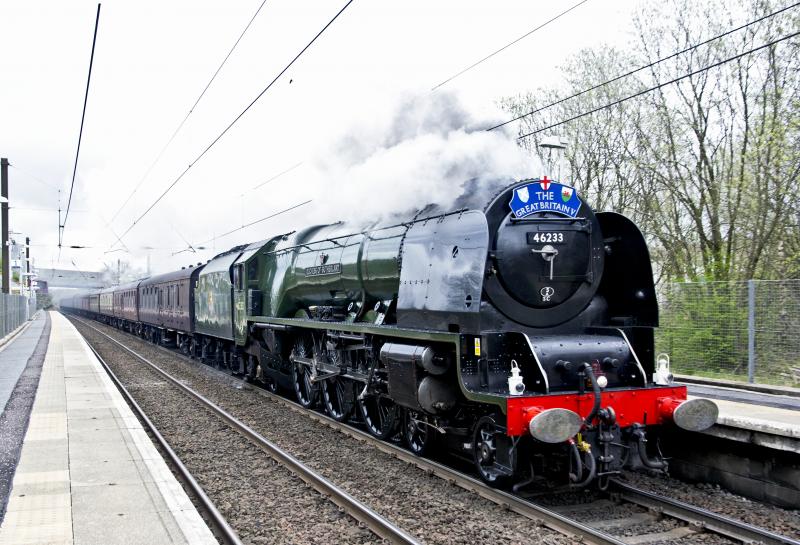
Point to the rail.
(574, 529)
(697, 516)
(580, 532)
(223, 529)
(379, 525)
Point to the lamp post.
(4, 219)
(28, 264)
(554, 145)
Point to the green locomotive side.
(323, 272)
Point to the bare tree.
(707, 166)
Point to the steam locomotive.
(515, 330)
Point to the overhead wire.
(275, 177)
(71, 247)
(81, 247)
(80, 134)
(265, 182)
(32, 177)
(650, 65)
(661, 85)
(262, 184)
(33, 209)
(188, 114)
(258, 221)
(111, 230)
(492, 128)
(489, 56)
(235, 120)
(189, 247)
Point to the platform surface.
(14, 355)
(775, 420)
(764, 419)
(749, 408)
(88, 473)
(740, 395)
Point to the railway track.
(699, 518)
(219, 526)
(645, 511)
(379, 525)
(657, 515)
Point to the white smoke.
(422, 152)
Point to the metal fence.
(15, 310)
(748, 331)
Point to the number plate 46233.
(546, 238)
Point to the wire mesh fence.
(748, 331)
(15, 310)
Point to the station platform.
(14, 354)
(762, 419)
(752, 450)
(87, 472)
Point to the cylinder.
(435, 395)
(423, 356)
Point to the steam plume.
(425, 151)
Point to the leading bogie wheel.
(485, 450)
(417, 433)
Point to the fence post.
(751, 331)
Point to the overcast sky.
(153, 59)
